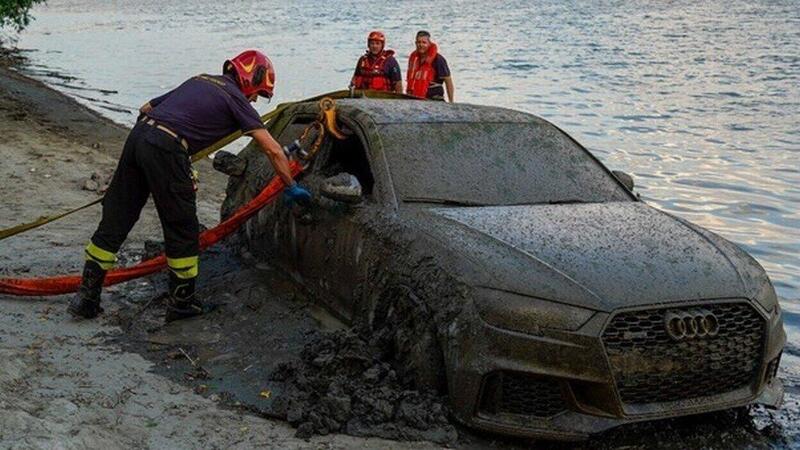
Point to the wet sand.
(128, 381)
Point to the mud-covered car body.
(499, 255)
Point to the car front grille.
(650, 365)
(521, 393)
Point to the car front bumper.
(561, 385)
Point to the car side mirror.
(624, 178)
(229, 164)
(342, 187)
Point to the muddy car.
(506, 266)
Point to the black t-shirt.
(436, 90)
(204, 109)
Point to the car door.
(327, 240)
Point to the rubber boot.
(86, 305)
(182, 302)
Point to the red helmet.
(376, 36)
(254, 73)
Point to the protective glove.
(296, 194)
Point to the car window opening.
(348, 156)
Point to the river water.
(700, 101)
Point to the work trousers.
(153, 163)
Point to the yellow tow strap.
(8, 232)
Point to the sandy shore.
(67, 384)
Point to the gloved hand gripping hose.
(296, 194)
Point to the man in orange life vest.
(377, 69)
(428, 71)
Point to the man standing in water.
(428, 71)
(377, 69)
(155, 161)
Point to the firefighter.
(377, 69)
(156, 161)
(428, 71)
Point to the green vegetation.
(15, 13)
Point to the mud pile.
(342, 383)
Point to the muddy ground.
(266, 368)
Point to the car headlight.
(768, 300)
(528, 314)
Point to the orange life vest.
(420, 72)
(371, 72)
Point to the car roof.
(390, 111)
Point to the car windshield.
(473, 164)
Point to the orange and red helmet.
(254, 73)
(376, 36)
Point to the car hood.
(601, 256)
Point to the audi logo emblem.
(691, 324)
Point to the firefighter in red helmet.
(155, 162)
(377, 69)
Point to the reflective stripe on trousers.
(152, 164)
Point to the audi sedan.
(507, 267)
